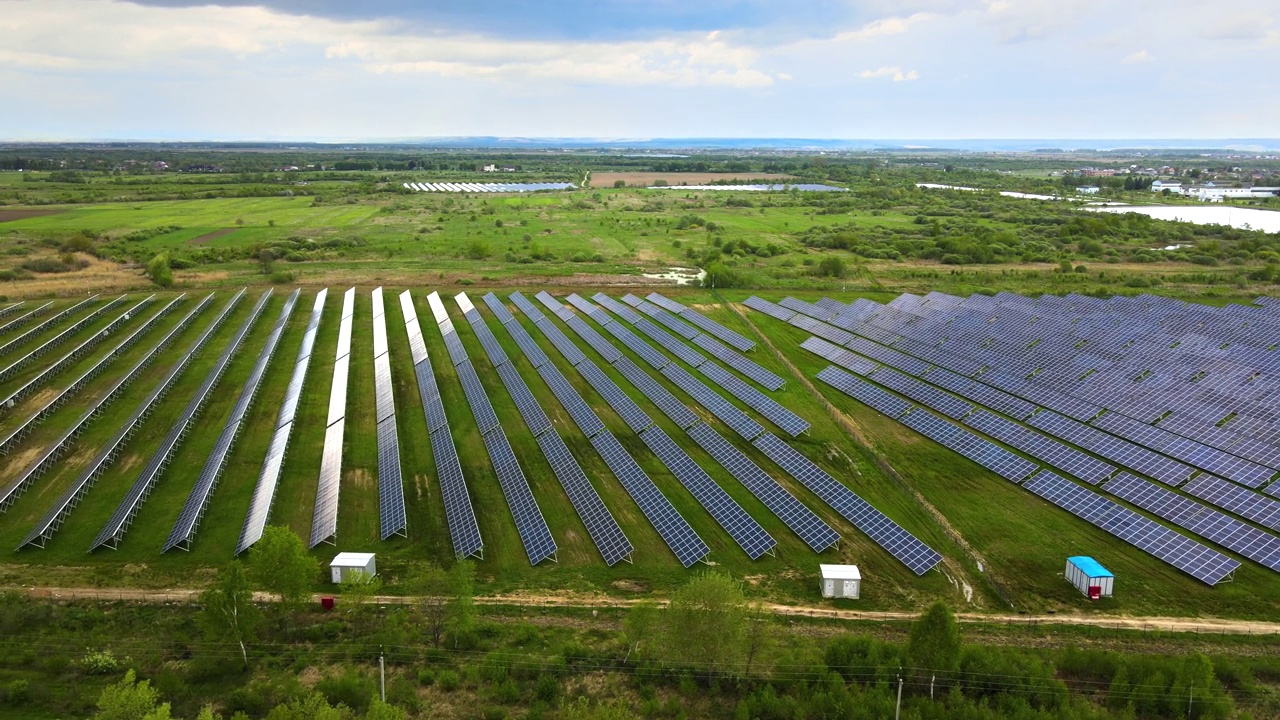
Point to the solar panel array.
(459, 187)
(53, 519)
(392, 517)
(734, 339)
(50, 322)
(1203, 563)
(530, 523)
(998, 460)
(65, 335)
(921, 326)
(1210, 524)
(599, 522)
(790, 423)
(748, 533)
(184, 529)
(1042, 447)
(864, 392)
(114, 529)
(688, 547)
(324, 515)
(464, 532)
(25, 318)
(15, 436)
(264, 492)
(11, 309)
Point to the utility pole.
(931, 679)
(382, 673)
(897, 712)
(1191, 696)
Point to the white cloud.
(882, 28)
(893, 72)
(1137, 58)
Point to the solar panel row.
(15, 436)
(674, 530)
(324, 515)
(796, 515)
(1007, 465)
(65, 335)
(922, 393)
(184, 528)
(599, 522)
(703, 323)
(50, 322)
(464, 532)
(530, 523)
(864, 392)
(907, 548)
(264, 491)
(1245, 503)
(1041, 447)
(25, 318)
(113, 531)
(1199, 561)
(393, 519)
(53, 519)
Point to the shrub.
(477, 250)
(280, 277)
(18, 692)
(448, 680)
(159, 272)
(99, 662)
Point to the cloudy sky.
(368, 69)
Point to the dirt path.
(201, 240)
(1215, 626)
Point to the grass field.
(1019, 540)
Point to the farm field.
(973, 517)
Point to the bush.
(477, 250)
(349, 689)
(18, 692)
(99, 662)
(280, 277)
(159, 272)
(448, 680)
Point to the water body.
(803, 187)
(681, 276)
(1236, 217)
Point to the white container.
(1089, 577)
(347, 564)
(841, 581)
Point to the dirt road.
(1214, 626)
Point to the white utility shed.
(347, 564)
(1089, 577)
(841, 581)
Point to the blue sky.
(345, 70)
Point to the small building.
(1088, 189)
(1172, 186)
(1089, 577)
(841, 581)
(347, 564)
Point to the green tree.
(934, 645)
(639, 626)
(430, 586)
(379, 710)
(131, 700)
(309, 707)
(477, 250)
(229, 611)
(158, 270)
(359, 591)
(582, 709)
(706, 623)
(279, 562)
(759, 635)
(832, 267)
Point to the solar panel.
(617, 308)
(789, 422)
(600, 523)
(65, 335)
(324, 514)
(1203, 563)
(984, 452)
(530, 523)
(114, 530)
(727, 413)
(184, 529)
(835, 354)
(1257, 545)
(676, 532)
(54, 518)
(25, 318)
(1245, 503)
(255, 520)
(803, 522)
(671, 344)
(627, 409)
(747, 367)
(704, 323)
(1064, 457)
(773, 310)
(477, 398)
(1121, 452)
(665, 304)
(677, 411)
(886, 533)
(50, 322)
(632, 342)
(864, 392)
(750, 536)
(582, 414)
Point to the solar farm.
(581, 439)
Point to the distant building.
(1172, 186)
(490, 168)
(1088, 190)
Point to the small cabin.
(347, 564)
(1089, 577)
(841, 581)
